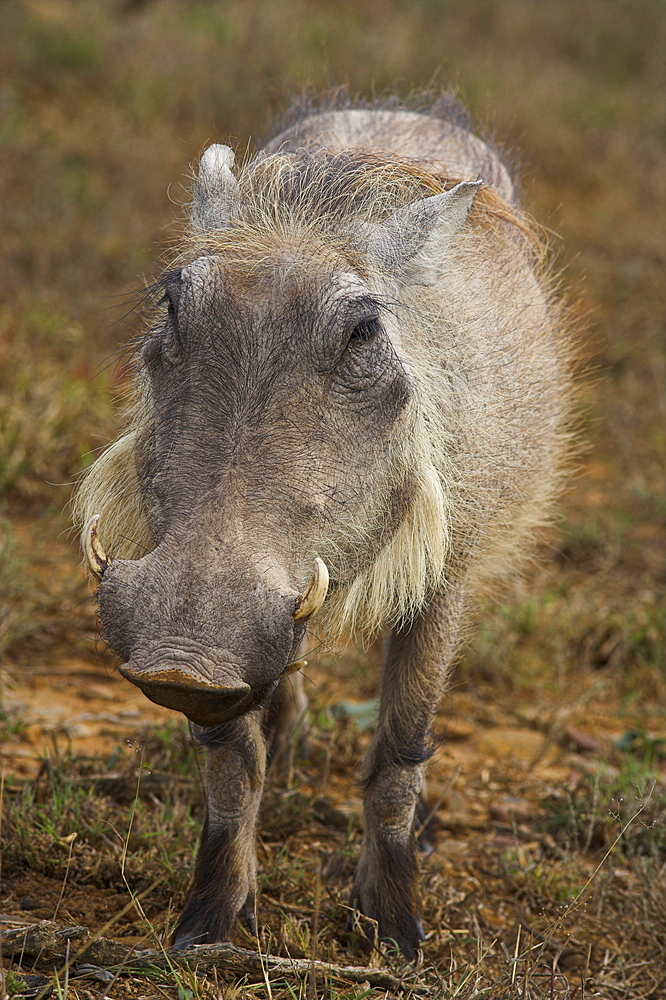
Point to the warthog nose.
(205, 704)
(207, 694)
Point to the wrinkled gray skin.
(264, 429)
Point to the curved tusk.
(292, 667)
(310, 602)
(96, 557)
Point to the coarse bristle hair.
(326, 199)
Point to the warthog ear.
(411, 245)
(215, 190)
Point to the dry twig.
(49, 942)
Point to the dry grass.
(549, 879)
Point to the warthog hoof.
(385, 922)
(200, 925)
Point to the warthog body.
(356, 359)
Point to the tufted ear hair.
(215, 190)
(411, 245)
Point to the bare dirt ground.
(549, 789)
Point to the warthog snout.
(165, 615)
(208, 692)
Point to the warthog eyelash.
(167, 300)
(366, 330)
(171, 339)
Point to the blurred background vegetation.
(103, 107)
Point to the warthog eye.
(366, 330)
(172, 338)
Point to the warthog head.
(278, 434)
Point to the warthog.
(351, 400)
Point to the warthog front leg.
(224, 876)
(414, 677)
(287, 723)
